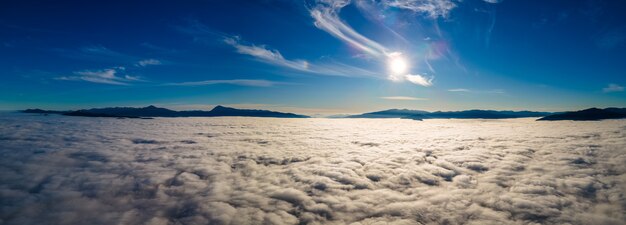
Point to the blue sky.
(314, 57)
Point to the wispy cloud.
(239, 82)
(403, 98)
(326, 17)
(267, 55)
(413, 78)
(274, 57)
(613, 88)
(106, 76)
(464, 90)
(419, 80)
(148, 62)
(431, 8)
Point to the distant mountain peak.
(220, 107)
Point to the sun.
(397, 64)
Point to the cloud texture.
(106, 76)
(68, 170)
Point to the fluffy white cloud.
(310, 171)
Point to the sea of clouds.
(70, 170)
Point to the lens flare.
(398, 64)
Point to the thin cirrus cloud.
(112, 77)
(403, 98)
(266, 55)
(274, 57)
(431, 8)
(326, 18)
(148, 62)
(238, 82)
(613, 88)
(106, 76)
(419, 79)
(459, 90)
(464, 90)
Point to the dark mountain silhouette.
(467, 114)
(391, 113)
(43, 111)
(153, 111)
(589, 114)
(227, 111)
(87, 113)
(485, 114)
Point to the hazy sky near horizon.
(324, 56)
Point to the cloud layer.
(67, 170)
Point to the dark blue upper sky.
(325, 56)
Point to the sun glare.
(398, 65)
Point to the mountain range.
(153, 111)
(467, 114)
(589, 114)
